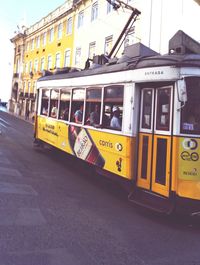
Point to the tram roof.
(183, 51)
(192, 60)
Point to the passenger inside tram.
(94, 118)
(54, 110)
(115, 122)
(190, 112)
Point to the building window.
(57, 61)
(42, 64)
(37, 41)
(129, 40)
(94, 13)
(78, 56)
(36, 65)
(26, 68)
(67, 58)
(49, 62)
(29, 87)
(44, 38)
(80, 19)
(24, 87)
(30, 66)
(32, 44)
(27, 46)
(51, 32)
(69, 26)
(109, 8)
(17, 66)
(92, 47)
(108, 44)
(59, 31)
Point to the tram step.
(151, 201)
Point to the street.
(54, 210)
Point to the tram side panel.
(109, 151)
(187, 167)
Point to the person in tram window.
(95, 116)
(65, 114)
(196, 118)
(115, 122)
(44, 111)
(54, 110)
(193, 118)
(78, 115)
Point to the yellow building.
(46, 45)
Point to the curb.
(15, 115)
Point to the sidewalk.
(4, 109)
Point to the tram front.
(187, 167)
(168, 173)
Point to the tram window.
(54, 103)
(93, 106)
(64, 105)
(78, 96)
(147, 109)
(113, 107)
(190, 113)
(45, 101)
(163, 109)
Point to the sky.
(12, 13)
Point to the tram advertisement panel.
(189, 160)
(110, 151)
(83, 146)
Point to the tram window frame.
(147, 107)
(92, 100)
(111, 100)
(45, 98)
(163, 110)
(190, 112)
(76, 103)
(64, 104)
(54, 103)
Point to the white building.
(97, 25)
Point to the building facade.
(97, 27)
(46, 45)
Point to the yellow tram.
(156, 101)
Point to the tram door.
(154, 154)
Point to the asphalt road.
(55, 211)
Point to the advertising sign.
(189, 161)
